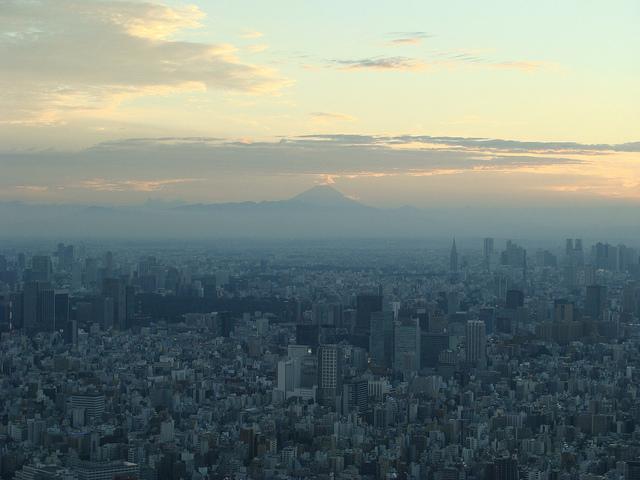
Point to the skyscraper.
(453, 258)
(487, 252)
(406, 352)
(115, 288)
(476, 342)
(595, 301)
(381, 338)
(366, 304)
(329, 373)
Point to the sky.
(394, 103)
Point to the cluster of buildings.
(343, 362)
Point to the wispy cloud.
(103, 185)
(381, 63)
(408, 38)
(328, 117)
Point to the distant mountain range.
(321, 212)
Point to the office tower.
(329, 374)
(488, 316)
(487, 252)
(30, 306)
(476, 342)
(406, 352)
(563, 311)
(453, 258)
(46, 313)
(71, 333)
(632, 470)
(224, 324)
(286, 375)
(209, 286)
(41, 268)
(568, 250)
(506, 468)
(307, 334)
(355, 396)
(431, 344)
(515, 299)
(327, 314)
(366, 304)
(65, 254)
(381, 339)
(513, 255)
(92, 403)
(109, 264)
(115, 288)
(61, 310)
(595, 301)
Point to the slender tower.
(453, 258)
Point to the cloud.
(64, 57)
(102, 185)
(118, 170)
(32, 188)
(329, 117)
(381, 63)
(472, 143)
(408, 38)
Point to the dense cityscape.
(481, 360)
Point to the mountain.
(324, 196)
(320, 197)
(319, 213)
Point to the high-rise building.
(381, 339)
(595, 301)
(453, 258)
(61, 310)
(329, 374)
(515, 299)
(632, 470)
(46, 314)
(115, 288)
(487, 252)
(30, 307)
(476, 342)
(406, 352)
(355, 395)
(366, 304)
(41, 268)
(431, 344)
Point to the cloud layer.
(62, 56)
(222, 169)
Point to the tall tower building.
(381, 338)
(476, 342)
(366, 304)
(453, 258)
(596, 301)
(487, 252)
(406, 354)
(329, 374)
(115, 288)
